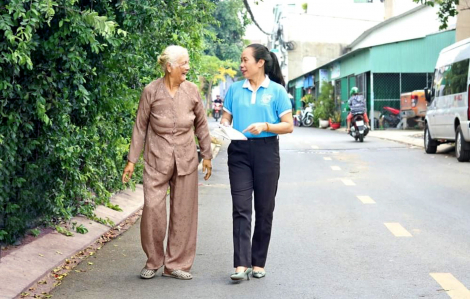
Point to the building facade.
(396, 56)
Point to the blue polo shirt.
(268, 104)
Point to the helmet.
(354, 90)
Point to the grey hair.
(171, 55)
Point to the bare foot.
(258, 269)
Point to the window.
(451, 79)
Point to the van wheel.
(461, 153)
(430, 145)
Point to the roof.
(384, 23)
(456, 45)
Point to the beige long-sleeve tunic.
(164, 124)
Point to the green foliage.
(325, 105)
(212, 71)
(113, 207)
(447, 8)
(81, 229)
(71, 73)
(35, 232)
(63, 231)
(226, 41)
(307, 99)
(336, 118)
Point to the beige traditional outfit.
(166, 126)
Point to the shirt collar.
(265, 83)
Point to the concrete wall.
(394, 8)
(463, 21)
(322, 33)
(323, 52)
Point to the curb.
(400, 138)
(23, 267)
(27, 265)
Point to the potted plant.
(320, 115)
(335, 120)
(305, 7)
(307, 99)
(326, 105)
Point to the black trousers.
(254, 167)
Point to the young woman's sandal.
(241, 275)
(179, 274)
(259, 274)
(148, 273)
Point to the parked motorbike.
(358, 128)
(305, 118)
(390, 117)
(217, 110)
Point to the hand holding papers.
(229, 133)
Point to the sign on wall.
(335, 70)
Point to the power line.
(253, 18)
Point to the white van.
(447, 118)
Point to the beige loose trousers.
(182, 229)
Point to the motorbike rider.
(357, 104)
(217, 100)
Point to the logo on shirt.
(266, 99)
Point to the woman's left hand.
(207, 168)
(256, 128)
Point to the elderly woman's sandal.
(259, 274)
(179, 274)
(148, 273)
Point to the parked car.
(413, 107)
(448, 114)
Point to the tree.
(212, 71)
(447, 8)
(70, 77)
(226, 41)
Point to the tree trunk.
(209, 96)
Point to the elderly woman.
(170, 113)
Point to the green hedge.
(71, 73)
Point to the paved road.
(327, 242)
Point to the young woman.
(260, 108)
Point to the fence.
(389, 86)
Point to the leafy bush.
(325, 105)
(308, 99)
(71, 73)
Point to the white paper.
(229, 133)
